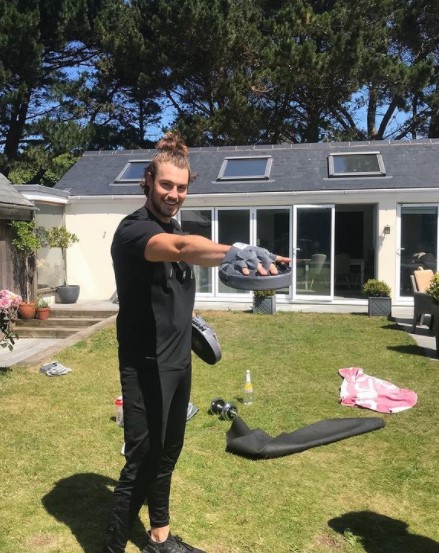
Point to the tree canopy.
(106, 74)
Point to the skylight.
(239, 168)
(133, 172)
(364, 164)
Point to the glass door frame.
(242, 295)
(399, 298)
(296, 249)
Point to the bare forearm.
(198, 250)
(193, 249)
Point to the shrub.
(376, 289)
(264, 293)
(433, 289)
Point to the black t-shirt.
(156, 299)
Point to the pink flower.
(8, 299)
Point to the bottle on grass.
(248, 389)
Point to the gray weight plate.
(258, 282)
(204, 341)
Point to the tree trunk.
(16, 128)
(371, 114)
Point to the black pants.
(155, 409)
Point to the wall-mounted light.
(386, 229)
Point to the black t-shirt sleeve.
(133, 235)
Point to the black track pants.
(155, 408)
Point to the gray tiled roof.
(296, 167)
(10, 196)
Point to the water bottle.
(118, 402)
(248, 389)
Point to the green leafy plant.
(433, 289)
(42, 302)
(264, 293)
(60, 237)
(376, 289)
(26, 242)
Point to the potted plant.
(379, 300)
(9, 303)
(43, 309)
(26, 243)
(264, 301)
(60, 237)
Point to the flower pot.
(27, 310)
(43, 313)
(264, 304)
(381, 307)
(68, 293)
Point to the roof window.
(245, 168)
(132, 172)
(364, 164)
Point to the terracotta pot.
(27, 310)
(43, 313)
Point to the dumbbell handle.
(227, 411)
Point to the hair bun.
(171, 142)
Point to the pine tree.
(41, 41)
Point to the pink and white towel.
(373, 393)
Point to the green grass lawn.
(377, 492)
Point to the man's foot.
(173, 544)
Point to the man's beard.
(161, 207)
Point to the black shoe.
(173, 544)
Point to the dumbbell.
(225, 410)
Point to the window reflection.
(233, 226)
(273, 232)
(49, 263)
(199, 221)
(313, 262)
(418, 243)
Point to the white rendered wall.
(89, 261)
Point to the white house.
(344, 212)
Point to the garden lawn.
(377, 492)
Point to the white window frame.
(333, 174)
(119, 181)
(265, 176)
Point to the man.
(156, 290)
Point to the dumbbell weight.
(226, 410)
(216, 406)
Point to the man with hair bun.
(153, 261)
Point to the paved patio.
(33, 352)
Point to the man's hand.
(253, 258)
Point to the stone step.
(60, 312)
(64, 322)
(46, 332)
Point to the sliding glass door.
(418, 243)
(313, 252)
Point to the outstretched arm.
(196, 250)
(191, 248)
